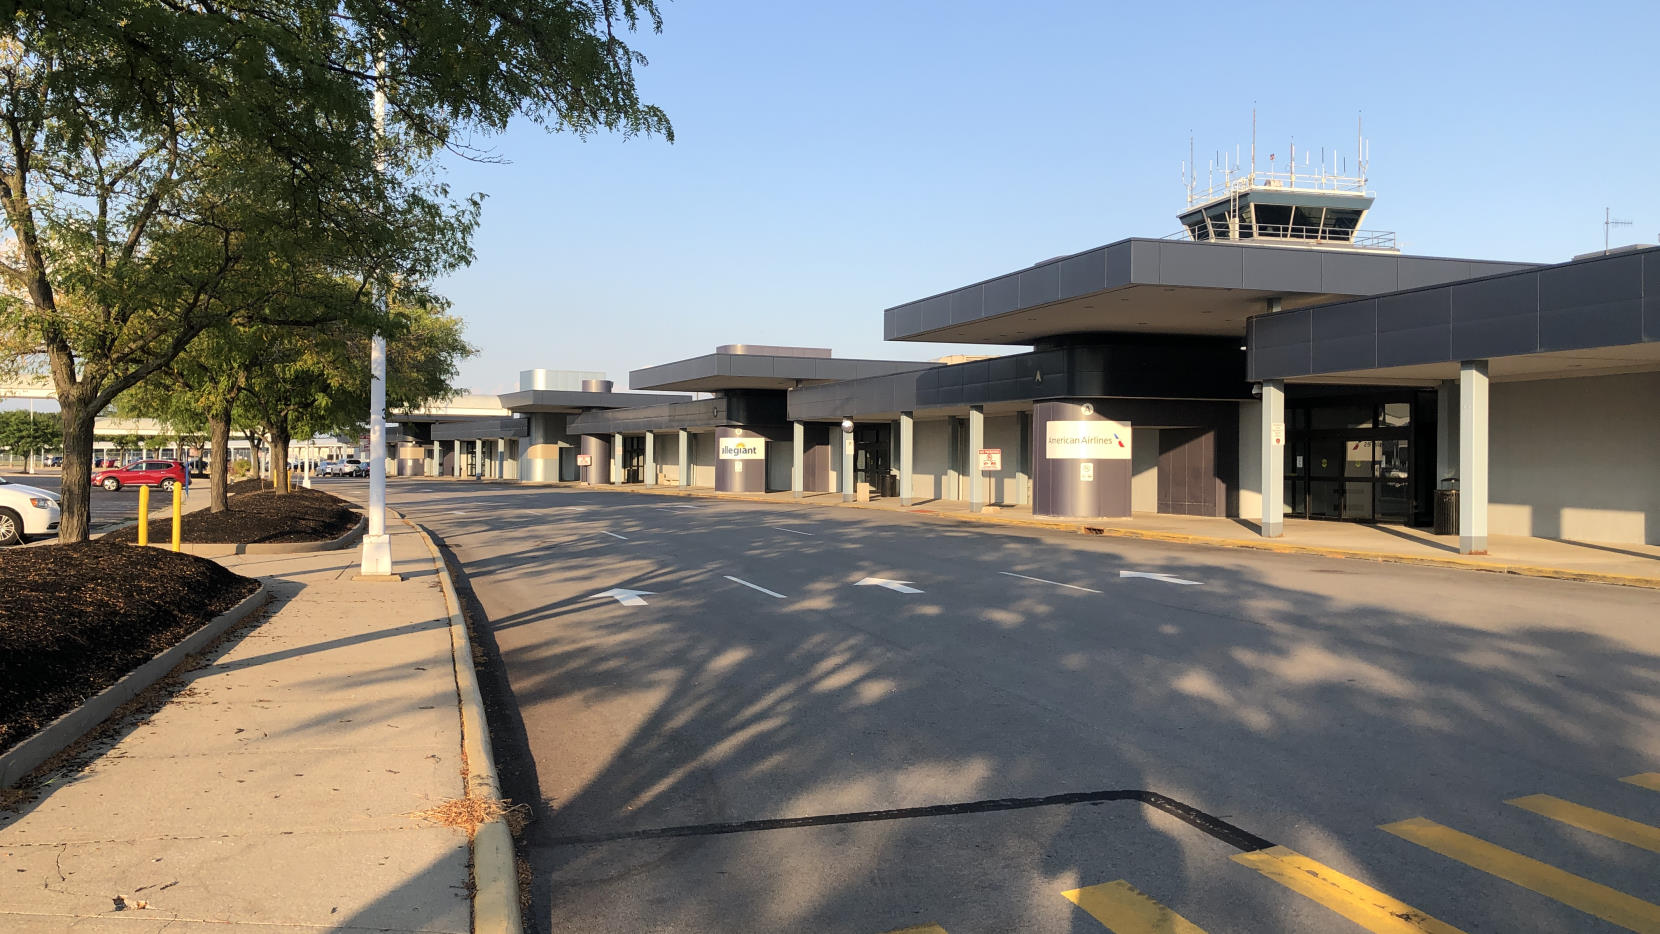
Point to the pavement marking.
(1166, 578)
(798, 532)
(613, 535)
(1598, 822)
(896, 586)
(624, 597)
(921, 929)
(1349, 897)
(1649, 780)
(1057, 584)
(1126, 910)
(1593, 898)
(739, 580)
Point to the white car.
(26, 512)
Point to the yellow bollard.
(144, 515)
(178, 513)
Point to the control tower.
(1286, 205)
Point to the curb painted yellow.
(1174, 538)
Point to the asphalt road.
(1294, 701)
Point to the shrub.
(241, 467)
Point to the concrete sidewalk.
(278, 790)
(1633, 565)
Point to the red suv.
(165, 474)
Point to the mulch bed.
(255, 515)
(75, 619)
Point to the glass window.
(1396, 415)
(1357, 458)
(1342, 416)
(1357, 499)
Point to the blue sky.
(833, 159)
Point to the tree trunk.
(75, 486)
(219, 460)
(279, 460)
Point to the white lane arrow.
(624, 597)
(897, 586)
(1167, 578)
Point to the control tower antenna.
(1281, 206)
(1608, 221)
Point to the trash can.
(1446, 512)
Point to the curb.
(65, 730)
(495, 873)
(1175, 538)
(225, 549)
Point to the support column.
(950, 489)
(1273, 458)
(976, 441)
(478, 458)
(457, 467)
(650, 477)
(1446, 434)
(1023, 460)
(798, 456)
(616, 459)
(685, 457)
(1472, 457)
(847, 466)
(907, 455)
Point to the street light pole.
(377, 545)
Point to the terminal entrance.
(1366, 458)
(870, 457)
(634, 458)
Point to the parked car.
(353, 467)
(26, 512)
(165, 474)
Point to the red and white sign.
(991, 458)
(1277, 429)
(585, 460)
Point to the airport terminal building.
(1272, 361)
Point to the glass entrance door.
(1348, 459)
(634, 458)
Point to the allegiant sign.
(1102, 439)
(739, 449)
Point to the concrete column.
(798, 458)
(457, 466)
(976, 441)
(651, 459)
(950, 488)
(1023, 459)
(1446, 432)
(616, 459)
(478, 458)
(685, 457)
(1472, 457)
(847, 466)
(1273, 458)
(907, 455)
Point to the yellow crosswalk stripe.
(1126, 910)
(1649, 780)
(1593, 898)
(1599, 822)
(1351, 898)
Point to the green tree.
(27, 433)
(162, 166)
